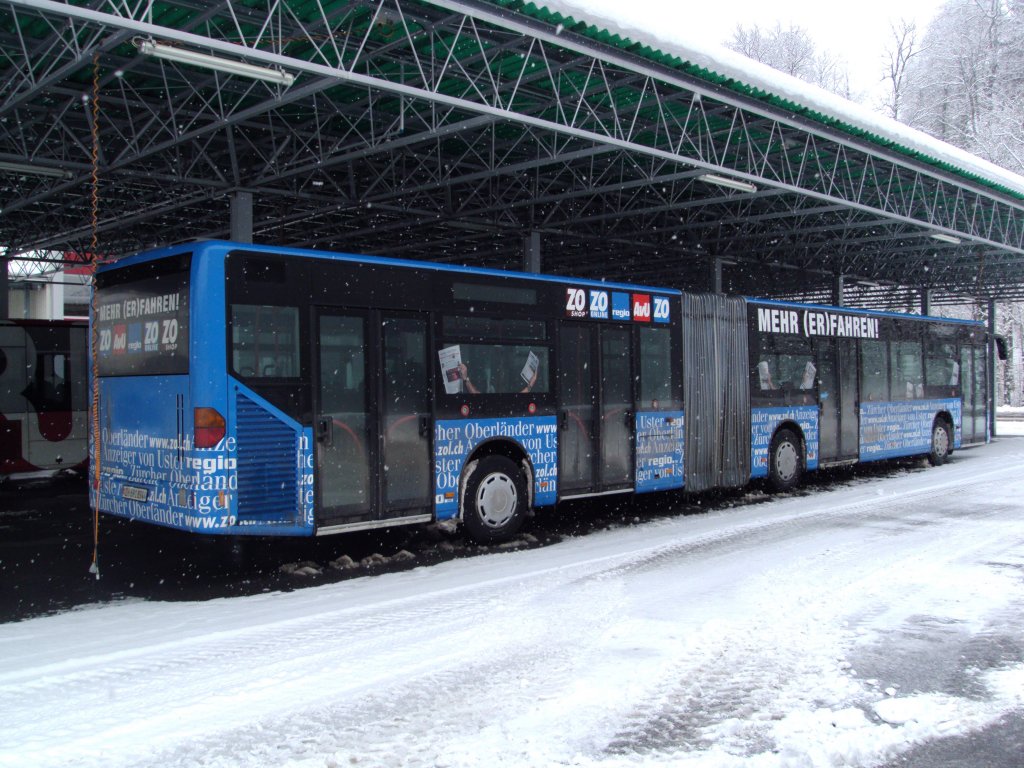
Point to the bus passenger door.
(839, 424)
(595, 443)
(405, 415)
(847, 393)
(617, 416)
(828, 399)
(577, 436)
(342, 424)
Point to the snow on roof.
(682, 43)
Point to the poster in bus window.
(807, 382)
(530, 369)
(451, 369)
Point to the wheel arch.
(795, 428)
(497, 446)
(947, 417)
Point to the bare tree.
(903, 47)
(791, 50)
(965, 85)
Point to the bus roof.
(222, 247)
(868, 312)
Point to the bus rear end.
(173, 439)
(143, 324)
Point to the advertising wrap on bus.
(43, 396)
(659, 451)
(764, 422)
(894, 429)
(454, 441)
(153, 471)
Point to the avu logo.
(642, 307)
(120, 339)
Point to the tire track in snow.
(514, 661)
(726, 694)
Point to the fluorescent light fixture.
(35, 170)
(729, 183)
(944, 238)
(206, 61)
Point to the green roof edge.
(647, 51)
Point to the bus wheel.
(940, 443)
(785, 464)
(495, 499)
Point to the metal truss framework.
(449, 130)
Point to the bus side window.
(48, 391)
(874, 370)
(785, 364)
(659, 381)
(264, 341)
(941, 368)
(907, 374)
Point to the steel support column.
(5, 290)
(837, 291)
(991, 373)
(241, 217)
(531, 253)
(716, 275)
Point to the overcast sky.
(857, 32)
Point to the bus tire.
(496, 500)
(785, 462)
(941, 443)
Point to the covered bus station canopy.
(488, 133)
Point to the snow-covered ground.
(837, 628)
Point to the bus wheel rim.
(786, 460)
(496, 499)
(940, 441)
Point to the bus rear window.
(142, 319)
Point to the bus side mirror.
(1001, 349)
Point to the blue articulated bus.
(256, 390)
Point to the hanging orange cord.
(94, 345)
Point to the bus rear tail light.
(210, 427)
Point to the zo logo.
(575, 302)
(661, 309)
(642, 307)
